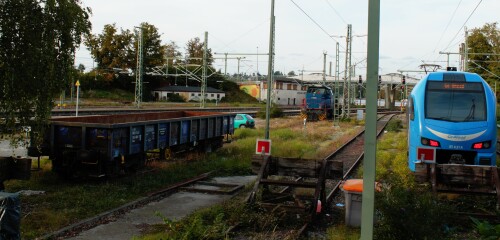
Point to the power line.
(329, 4)
(459, 30)
(314, 21)
(447, 25)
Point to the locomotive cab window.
(455, 101)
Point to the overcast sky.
(412, 32)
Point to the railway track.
(113, 214)
(351, 154)
(305, 186)
(352, 149)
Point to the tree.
(154, 51)
(172, 52)
(38, 39)
(111, 49)
(485, 40)
(81, 68)
(291, 74)
(194, 49)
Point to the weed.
(395, 125)
(410, 213)
(486, 230)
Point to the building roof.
(186, 89)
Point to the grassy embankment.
(405, 210)
(66, 202)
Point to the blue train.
(452, 120)
(318, 103)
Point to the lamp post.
(77, 84)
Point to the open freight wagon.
(112, 144)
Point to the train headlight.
(430, 142)
(481, 145)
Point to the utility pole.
(330, 69)
(347, 82)
(239, 77)
(204, 72)
(270, 70)
(466, 51)
(370, 146)
(238, 54)
(324, 68)
(447, 58)
(257, 75)
(337, 76)
(138, 73)
(349, 36)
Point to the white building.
(188, 93)
(285, 91)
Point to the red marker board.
(263, 146)
(428, 154)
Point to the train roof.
(454, 76)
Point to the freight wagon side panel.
(225, 129)
(218, 126)
(163, 135)
(210, 128)
(174, 133)
(149, 137)
(120, 142)
(185, 127)
(67, 137)
(231, 124)
(203, 128)
(194, 130)
(136, 138)
(98, 142)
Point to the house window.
(294, 86)
(218, 96)
(212, 95)
(265, 86)
(199, 94)
(192, 94)
(303, 88)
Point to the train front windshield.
(455, 101)
(316, 90)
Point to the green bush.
(487, 230)
(410, 214)
(275, 112)
(175, 98)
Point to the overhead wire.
(447, 25)
(314, 21)
(459, 30)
